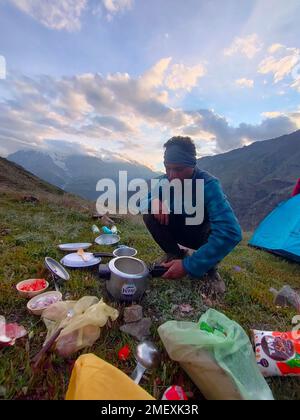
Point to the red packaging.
(174, 393)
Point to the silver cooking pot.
(127, 279)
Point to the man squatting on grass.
(215, 238)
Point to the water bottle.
(106, 230)
(95, 229)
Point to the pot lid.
(57, 269)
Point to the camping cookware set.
(126, 277)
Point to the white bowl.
(30, 294)
(38, 311)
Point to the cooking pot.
(127, 278)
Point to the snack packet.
(277, 354)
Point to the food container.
(30, 284)
(39, 303)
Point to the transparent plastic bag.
(217, 354)
(80, 323)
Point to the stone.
(133, 313)
(213, 286)
(139, 330)
(30, 199)
(219, 286)
(106, 220)
(5, 232)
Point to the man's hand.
(176, 270)
(160, 212)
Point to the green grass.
(35, 231)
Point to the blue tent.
(280, 231)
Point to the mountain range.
(77, 174)
(255, 178)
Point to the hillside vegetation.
(31, 231)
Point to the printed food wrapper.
(277, 354)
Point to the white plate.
(74, 247)
(75, 261)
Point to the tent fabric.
(94, 379)
(296, 190)
(280, 231)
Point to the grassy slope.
(36, 229)
(14, 177)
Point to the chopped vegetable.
(44, 302)
(34, 286)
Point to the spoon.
(81, 253)
(147, 357)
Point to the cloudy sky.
(119, 77)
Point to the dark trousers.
(177, 232)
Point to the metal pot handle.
(158, 270)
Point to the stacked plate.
(74, 247)
(76, 261)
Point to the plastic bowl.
(30, 294)
(31, 305)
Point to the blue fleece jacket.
(225, 229)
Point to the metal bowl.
(125, 251)
(107, 239)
